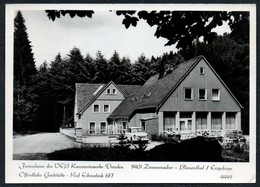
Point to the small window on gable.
(202, 70)
(96, 108)
(215, 94)
(114, 91)
(108, 91)
(202, 94)
(188, 94)
(106, 108)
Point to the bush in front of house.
(195, 149)
(165, 138)
(236, 151)
(239, 145)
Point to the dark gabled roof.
(124, 109)
(129, 90)
(87, 93)
(154, 91)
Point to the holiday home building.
(188, 99)
(95, 102)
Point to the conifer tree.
(24, 64)
(24, 72)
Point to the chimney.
(161, 68)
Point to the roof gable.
(87, 93)
(153, 92)
(156, 91)
(187, 73)
(222, 82)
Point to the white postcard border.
(15, 171)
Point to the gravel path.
(42, 143)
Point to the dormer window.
(108, 91)
(202, 70)
(114, 91)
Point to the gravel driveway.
(36, 146)
(42, 143)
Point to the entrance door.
(143, 126)
(185, 125)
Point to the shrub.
(237, 145)
(195, 149)
(141, 145)
(122, 142)
(165, 138)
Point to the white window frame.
(94, 128)
(93, 109)
(205, 94)
(202, 70)
(108, 108)
(108, 91)
(218, 98)
(114, 91)
(188, 99)
(100, 126)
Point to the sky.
(103, 32)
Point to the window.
(202, 94)
(201, 120)
(111, 91)
(202, 71)
(106, 108)
(103, 127)
(114, 91)
(216, 120)
(169, 121)
(96, 108)
(182, 125)
(92, 127)
(188, 94)
(215, 94)
(230, 120)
